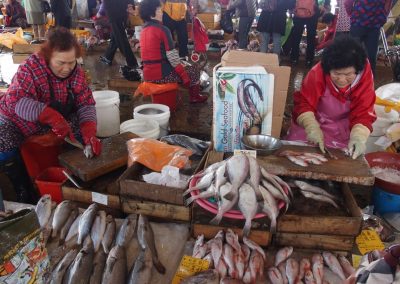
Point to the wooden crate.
(25, 48)
(320, 224)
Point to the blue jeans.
(369, 37)
(276, 40)
(244, 29)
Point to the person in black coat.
(297, 33)
(61, 10)
(273, 21)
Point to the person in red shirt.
(335, 105)
(161, 62)
(48, 92)
(331, 20)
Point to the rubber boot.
(195, 96)
(14, 169)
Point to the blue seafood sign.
(243, 100)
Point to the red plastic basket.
(50, 181)
(167, 98)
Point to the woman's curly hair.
(344, 52)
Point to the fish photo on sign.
(243, 100)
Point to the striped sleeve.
(173, 57)
(87, 113)
(29, 109)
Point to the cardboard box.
(271, 64)
(209, 17)
(26, 48)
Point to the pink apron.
(333, 117)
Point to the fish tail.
(159, 266)
(273, 225)
(189, 190)
(247, 227)
(190, 200)
(216, 220)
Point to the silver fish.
(73, 230)
(256, 265)
(254, 175)
(317, 197)
(318, 268)
(146, 240)
(211, 191)
(333, 264)
(109, 234)
(314, 189)
(216, 246)
(65, 229)
(246, 253)
(46, 230)
(98, 229)
(199, 249)
(348, 269)
(57, 274)
(209, 258)
(43, 209)
(61, 215)
(204, 182)
(115, 271)
(221, 267)
(292, 270)
(277, 182)
(310, 160)
(205, 277)
(79, 270)
(126, 231)
(229, 259)
(269, 207)
(99, 262)
(297, 161)
(233, 239)
(315, 155)
(224, 205)
(283, 254)
(86, 222)
(282, 270)
(247, 205)
(220, 177)
(275, 275)
(238, 170)
(304, 266)
(141, 272)
(283, 184)
(209, 169)
(254, 246)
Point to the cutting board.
(114, 155)
(344, 169)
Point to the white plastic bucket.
(107, 110)
(162, 117)
(145, 128)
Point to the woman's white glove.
(358, 140)
(311, 126)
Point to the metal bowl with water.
(263, 144)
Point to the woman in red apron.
(335, 105)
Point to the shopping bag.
(23, 255)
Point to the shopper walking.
(36, 17)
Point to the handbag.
(226, 22)
(45, 7)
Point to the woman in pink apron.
(335, 105)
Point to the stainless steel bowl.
(263, 144)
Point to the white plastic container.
(145, 128)
(157, 112)
(107, 110)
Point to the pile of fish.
(91, 251)
(241, 181)
(287, 269)
(230, 258)
(304, 158)
(316, 193)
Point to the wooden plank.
(26, 48)
(85, 196)
(344, 169)
(164, 211)
(19, 58)
(321, 218)
(263, 238)
(313, 241)
(113, 156)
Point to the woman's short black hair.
(147, 9)
(327, 18)
(344, 52)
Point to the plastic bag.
(155, 154)
(148, 89)
(199, 147)
(226, 22)
(169, 176)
